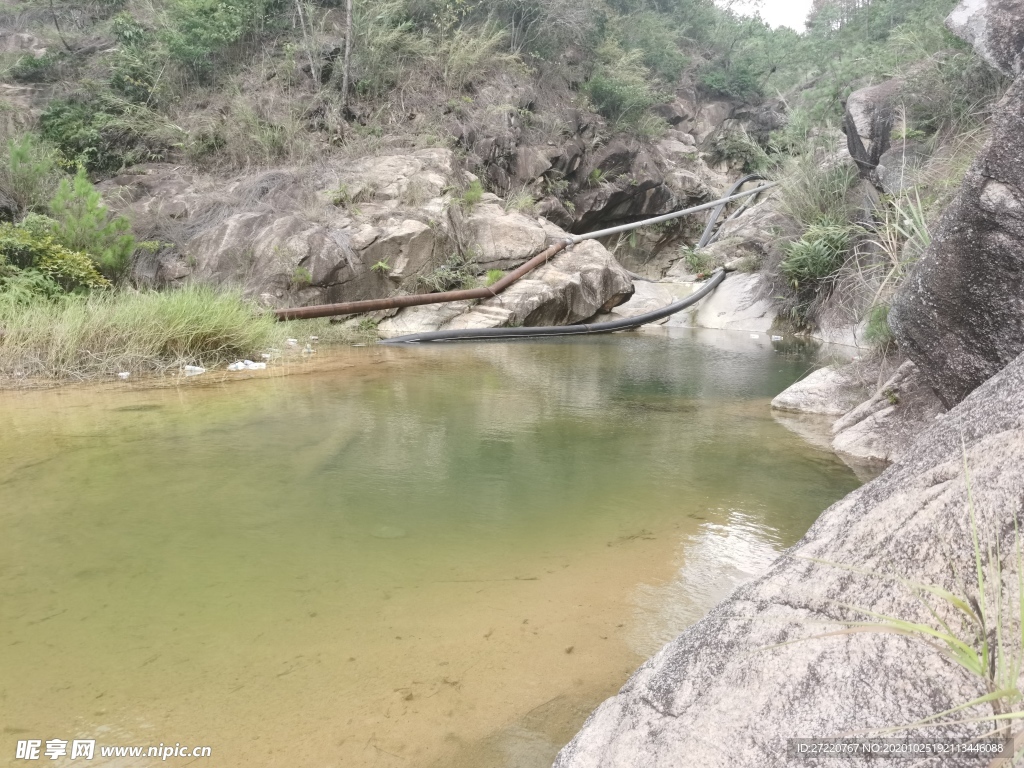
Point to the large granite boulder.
(996, 30)
(759, 669)
(868, 122)
(736, 305)
(960, 313)
(574, 286)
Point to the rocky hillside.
(310, 155)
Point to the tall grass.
(812, 193)
(147, 332)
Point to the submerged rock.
(756, 671)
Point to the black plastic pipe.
(563, 330)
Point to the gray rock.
(899, 167)
(995, 28)
(531, 162)
(647, 297)
(503, 240)
(736, 305)
(883, 428)
(573, 287)
(20, 42)
(868, 122)
(830, 391)
(959, 315)
(728, 693)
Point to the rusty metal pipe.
(418, 299)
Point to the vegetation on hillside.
(260, 83)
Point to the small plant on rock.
(301, 277)
(455, 272)
(473, 194)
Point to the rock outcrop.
(995, 28)
(883, 428)
(576, 285)
(736, 305)
(362, 230)
(881, 408)
(960, 313)
(868, 122)
(757, 670)
(829, 391)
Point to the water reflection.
(431, 556)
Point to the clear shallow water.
(438, 556)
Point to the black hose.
(578, 330)
(710, 233)
(564, 330)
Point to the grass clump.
(473, 194)
(817, 255)
(493, 276)
(697, 261)
(877, 331)
(620, 88)
(456, 272)
(80, 337)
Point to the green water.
(436, 556)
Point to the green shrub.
(817, 255)
(28, 249)
(105, 134)
(735, 147)
(23, 287)
(200, 30)
(620, 87)
(658, 42)
(29, 173)
(83, 223)
(134, 76)
(493, 276)
(737, 80)
(45, 69)
(877, 330)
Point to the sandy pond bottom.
(435, 556)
